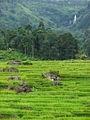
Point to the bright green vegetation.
(12, 55)
(71, 101)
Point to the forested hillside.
(84, 18)
(55, 13)
(60, 21)
(39, 43)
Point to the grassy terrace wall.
(71, 101)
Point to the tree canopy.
(39, 42)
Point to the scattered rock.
(55, 83)
(14, 78)
(12, 69)
(8, 116)
(53, 76)
(25, 87)
(19, 62)
(23, 83)
(15, 63)
(10, 87)
(22, 87)
(9, 69)
(18, 89)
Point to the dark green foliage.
(84, 18)
(54, 13)
(85, 21)
(27, 62)
(81, 56)
(39, 43)
(67, 46)
(87, 42)
(57, 14)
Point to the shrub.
(27, 62)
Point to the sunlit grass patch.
(70, 101)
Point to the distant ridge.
(55, 13)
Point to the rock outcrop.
(54, 76)
(12, 69)
(22, 87)
(15, 63)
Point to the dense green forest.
(39, 42)
(63, 32)
(43, 43)
(56, 13)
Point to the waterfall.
(75, 19)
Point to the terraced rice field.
(70, 101)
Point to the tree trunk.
(32, 50)
(25, 50)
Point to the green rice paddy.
(70, 101)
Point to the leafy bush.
(81, 56)
(12, 55)
(27, 62)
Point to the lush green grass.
(71, 101)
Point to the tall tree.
(67, 46)
(87, 42)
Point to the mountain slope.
(55, 13)
(84, 20)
